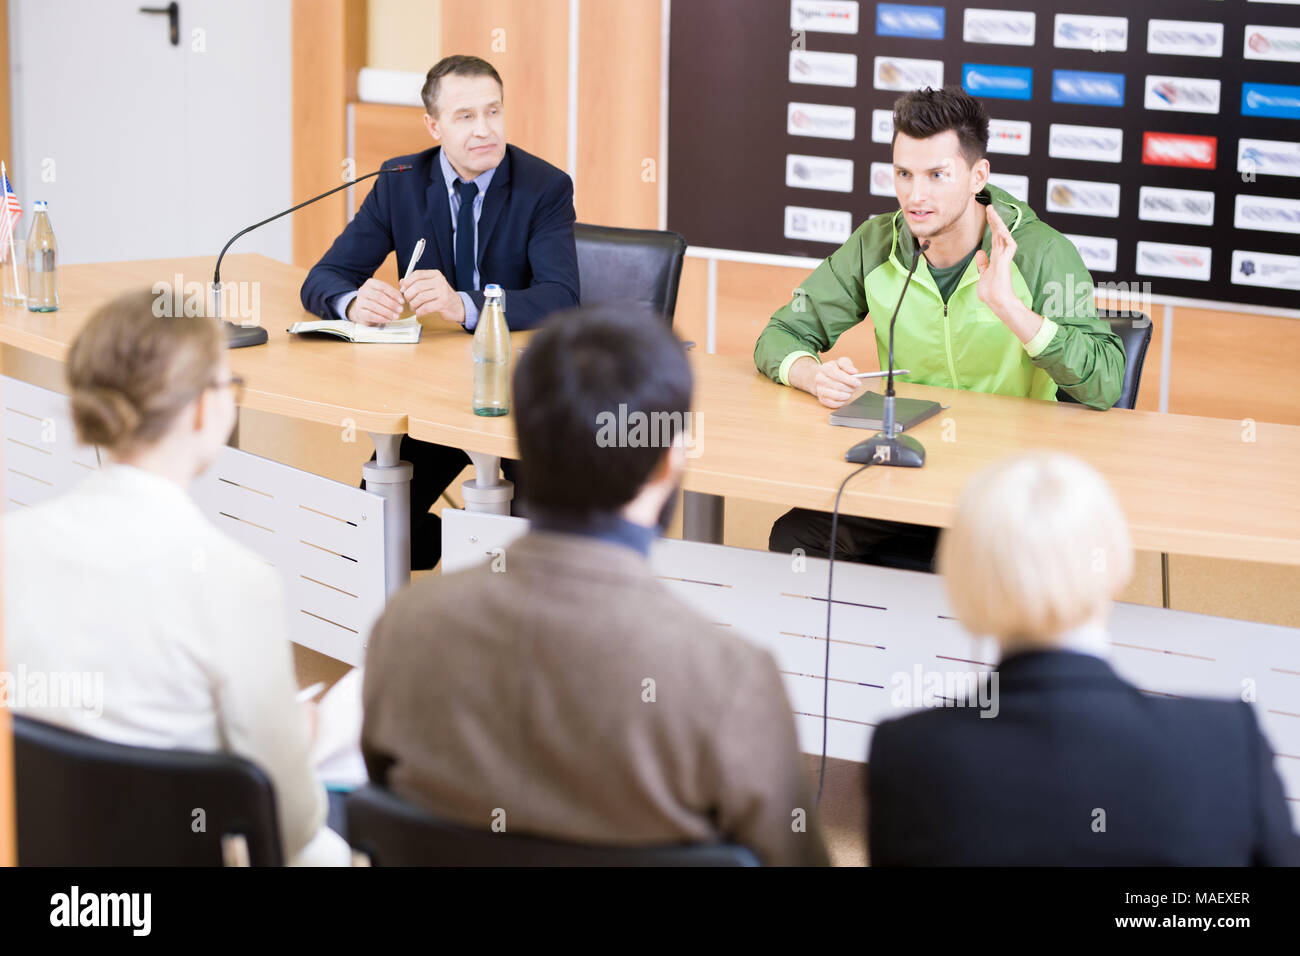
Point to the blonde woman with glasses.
(124, 577)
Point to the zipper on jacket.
(947, 344)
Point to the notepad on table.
(401, 332)
(868, 411)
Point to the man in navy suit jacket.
(1059, 762)
(488, 212)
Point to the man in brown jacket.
(563, 691)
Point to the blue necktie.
(465, 236)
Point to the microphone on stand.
(237, 336)
(887, 448)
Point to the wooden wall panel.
(618, 113)
(329, 43)
(381, 132)
(528, 43)
(1235, 366)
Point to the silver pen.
(897, 371)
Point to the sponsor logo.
(1017, 186)
(825, 69)
(1009, 136)
(1269, 213)
(1269, 157)
(1195, 207)
(998, 82)
(1093, 89)
(1182, 94)
(1102, 144)
(813, 119)
(1173, 261)
(1011, 27)
(1269, 99)
(1099, 34)
(824, 16)
(819, 172)
(1099, 253)
(1184, 38)
(882, 126)
(817, 225)
(901, 20)
(1083, 197)
(1177, 149)
(1272, 43)
(1266, 269)
(895, 73)
(882, 180)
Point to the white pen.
(897, 371)
(415, 257)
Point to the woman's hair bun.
(103, 416)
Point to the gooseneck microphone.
(238, 337)
(887, 448)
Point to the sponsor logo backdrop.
(1164, 140)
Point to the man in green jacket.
(1001, 302)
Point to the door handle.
(173, 11)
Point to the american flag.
(9, 215)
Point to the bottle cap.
(492, 290)
(39, 205)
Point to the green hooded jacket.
(962, 344)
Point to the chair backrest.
(1134, 330)
(641, 266)
(82, 801)
(392, 832)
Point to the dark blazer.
(525, 236)
(1181, 781)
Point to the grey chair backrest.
(1134, 330)
(639, 266)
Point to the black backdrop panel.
(728, 142)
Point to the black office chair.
(642, 266)
(1134, 330)
(88, 802)
(392, 832)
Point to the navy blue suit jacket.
(525, 236)
(1181, 781)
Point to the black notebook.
(868, 411)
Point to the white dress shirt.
(124, 581)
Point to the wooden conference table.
(1189, 485)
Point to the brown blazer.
(574, 694)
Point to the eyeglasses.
(236, 385)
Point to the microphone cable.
(826, 666)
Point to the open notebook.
(401, 332)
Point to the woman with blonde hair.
(124, 577)
(1063, 762)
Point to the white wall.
(144, 150)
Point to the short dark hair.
(459, 65)
(928, 112)
(586, 371)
